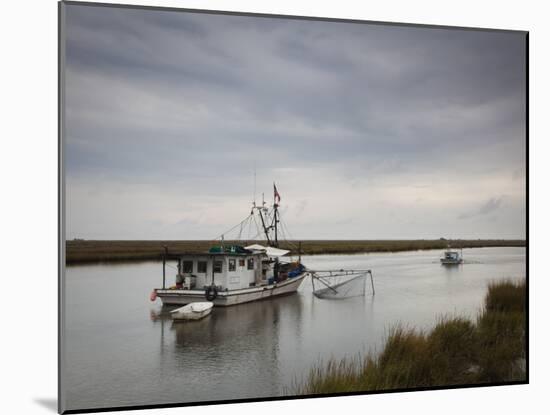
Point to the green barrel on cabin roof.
(229, 249)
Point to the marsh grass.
(455, 352)
(89, 251)
(501, 332)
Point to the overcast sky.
(369, 131)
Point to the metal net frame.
(340, 284)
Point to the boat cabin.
(228, 270)
(452, 256)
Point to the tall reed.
(456, 351)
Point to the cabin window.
(201, 267)
(250, 263)
(232, 265)
(187, 267)
(241, 262)
(218, 267)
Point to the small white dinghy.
(192, 311)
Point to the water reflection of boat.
(238, 338)
(451, 257)
(228, 275)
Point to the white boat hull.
(188, 313)
(450, 262)
(227, 298)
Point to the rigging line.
(290, 234)
(283, 233)
(283, 225)
(257, 236)
(242, 227)
(286, 231)
(258, 230)
(254, 201)
(248, 230)
(229, 230)
(240, 232)
(250, 225)
(289, 245)
(257, 227)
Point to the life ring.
(211, 292)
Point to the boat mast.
(164, 266)
(266, 229)
(276, 200)
(276, 220)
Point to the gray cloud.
(490, 206)
(183, 105)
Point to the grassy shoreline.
(456, 352)
(93, 251)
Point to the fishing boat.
(192, 311)
(230, 274)
(451, 257)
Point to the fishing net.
(340, 285)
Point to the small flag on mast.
(276, 194)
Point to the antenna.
(254, 201)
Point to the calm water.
(124, 350)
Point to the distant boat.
(192, 311)
(451, 257)
(232, 274)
